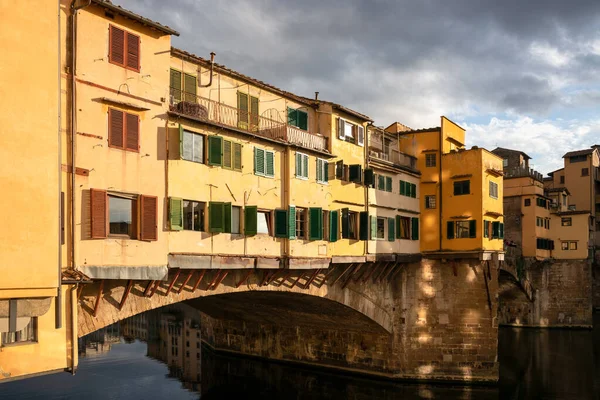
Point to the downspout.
(366, 160)
(58, 302)
(440, 177)
(212, 64)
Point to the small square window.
(430, 202)
(585, 172)
(430, 160)
(566, 221)
(381, 228)
(572, 245)
(527, 202)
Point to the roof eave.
(136, 17)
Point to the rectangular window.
(388, 183)
(123, 130)
(381, 227)
(182, 87)
(408, 189)
(325, 220)
(264, 162)
(124, 49)
(462, 188)
(380, 182)
(322, 171)
(350, 132)
(462, 229)
(192, 146)
(236, 213)
(564, 200)
(355, 173)
(572, 245)
(352, 225)
(493, 190)
(263, 222)
(404, 227)
(430, 160)
(300, 223)
(430, 202)
(585, 172)
(27, 334)
(121, 212)
(298, 118)
(247, 112)
(564, 245)
(566, 221)
(301, 166)
(505, 162)
(527, 202)
(193, 215)
(562, 179)
(340, 170)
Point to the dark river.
(158, 355)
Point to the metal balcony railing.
(209, 110)
(387, 151)
(520, 172)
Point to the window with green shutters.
(301, 166)
(462, 188)
(281, 223)
(182, 87)
(247, 111)
(495, 230)
(215, 150)
(355, 173)
(364, 225)
(450, 229)
(369, 178)
(298, 118)
(292, 222)
(176, 213)
(264, 162)
(408, 189)
(388, 183)
(415, 229)
(391, 229)
(250, 220)
(216, 217)
(501, 230)
(334, 221)
(322, 171)
(315, 223)
(380, 182)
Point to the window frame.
(203, 140)
(324, 167)
(126, 35)
(304, 166)
(268, 217)
(202, 215)
(566, 221)
(461, 186)
(301, 230)
(134, 215)
(353, 225)
(585, 171)
(493, 188)
(383, 221)
(428, 201)
(430, 160)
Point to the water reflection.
(159, 354)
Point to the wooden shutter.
(116, 121)
(355, 173)
(215, 150)
(227, 217)
(485, 229)
(305, 166)
(237, 156)
(414, 191)
(369, 178)
(116, 51)
(345, 223)
(270, 164)
(216, 217)
(250, 220)
(302, 120)
(242, 109)
(227, 155)
(315, 219)
(175, 84)
(99, 213)
(361, 136)
(415, 228)
(341, 130)
(373, 227)
(189, 88)
(364, 225)
(281, 222)
(495, 229)
(325, 171)
(403, 188)
(500, 230)
(292, 116)
(176, 213)
(380, 182)
(292, 222)
(132, 132)
(254, 113)
(319, 170)
(391, 229)
(398, 225)
(450, 230)
(133, 52)
(259, 161)
(149, 218)
(388, 183)
(334, 220)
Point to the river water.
(158, 355)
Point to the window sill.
(323, 183)
(195, 162)
(264, 176)
(114, 236)
(17, 344)
(302, 178)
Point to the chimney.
(316, 95)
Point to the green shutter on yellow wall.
(415, 228)
(281, 221)
(175, 85)
(176, 213)
(237, 156)
(334, 220)
(500, 230)
(302, 120)
(391, 229)
(270, 165)
(292, 222)
(189, 88)
(250, 220)
(364, 225)
(495, 229)
(259, 161)
(216, 217)
(215, 150)
(315, 220)
(243, 115)
(227, 217)
(227, 154)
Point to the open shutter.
(116, 53)
(325, 171)
(415, 228)
(242, 109)
(116, 121)
(176, 213)
(334, 220)
(132, 132)
(398, 225)
(305, 165)
(315, 223)
(391, 229)
(237, 156)
(175, 84)
(292, 222)
(149, 218)
(253, 113)
(388, 183)
(180, 142)
(99, 213)
(227, 159)
(270, 165)
(450, 230)
(361, 136)
(364, 225)
(373, 227)
(345, 223)
(472, 228)
(250, 220)
(227, 217)
(355, 173)
(292, 116)
(215, 150)
(369, 178)
(259, 161)
(500, 230)
(302, 120)
(281, 221)
(485, 229)
(133, 51)
(216, 217)
(341, 129)
(189, 87)
(495, 229)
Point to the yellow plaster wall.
(578, 231)
(530, 230)
(450, 130)
(579, 186)
(491, 205)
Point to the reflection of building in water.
(100, 341)
(135, 327)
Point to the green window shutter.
(369, 177)
(302, 120)
(259, 161)
(216, 217)
(500, 230)
(292, 117)
(388, 183)
(413, 191)
(281, 221)
(334, 220)
(305, 165)
(270, 163)
(298, 164)
(292, 222)
(403, 188)
(227, 217)
(180, 142)
(345, 223)
(227, 159)
(250, 220)
(189, 87)
(175, 83)
(472, 228)
(242, 109)
(450, 229)
(315, 220)
(215, 150)
(326, 171)
(495, 229)
(380, 182)
(176, 213)
(237, 156)
(398, 233)
(254, 113)
(319, 171)
(391, 229)
(373, 227)
(364, 225)
(355, 173)
(415, 228)
(485, 229)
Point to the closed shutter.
(355, 173)
(242, 109)
(341, 129)
(373, 227)
(485, 229)
(227, 217)
(253, 113)
(319, 170)
(305, 166)
(472, 228)
(215, 150)
(325, 171)
(450, 230)
(270, 167)
(298, 164)
(500, 230)
(380, 182)
(315, 223)
(388, 183)
(369, 177)
(415, 228)
(281, 222)
(132, 132)
(259, 161)
(361, 136)
(176, 213)
(116, 53)
(292, 116)
(237, 156)
(189, 87)
(334, 220)
(133, 52)
(227, 159)
(403, 188)
(99, 213)
(364, 225)
(149, 218)
(175, 84)
(495, 229)
(250, 220)
(216, 217)
(116, 121)
(345, 223)
(181, 139)
(391, 229)
(292, 222)
(398, 225)
(413, 191)
(302, 120)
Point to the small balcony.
(383, 148)
(521, 172)
(204, 109)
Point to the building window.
(564, 199)
(462, 229)
(408, 189)
(527, 202)
(388, 183)
(380, 182)
(263, 222)
(123, 130)
(505, 162)
(300, 223)
(264, 162)
(192, 147)
(236, 213)
(493, 190)
(430, 202)
(298, 118)
(381, 228)
(124, 49)
(27, 334)
(301, 166)
(353, 225)
(232, 157)
(562, 179)
(585, 172)
(540, 202)
(350, 132)
(462, 188)
(182, 87)
(566, 221)
(325, 219)
(404, 227)
(575, 159)
(193, 215)
(247, 112)
(322, 171)
(538, 221)
(430, 160)
(120, 213)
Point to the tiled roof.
(433, 129)
(579, 153)
(502, 149)
(130, 14)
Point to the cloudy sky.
(515, 73)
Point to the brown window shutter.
(99, 213)
(148, 218)
(132, 132)
(115, 128)
(116, 45)
(133, 52)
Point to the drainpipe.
(441, 201)
(366, 160)
(58, 301)
(212, 64)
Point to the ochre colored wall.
(492, 206)
(453, 135)
(578, 231)
(581, 187)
